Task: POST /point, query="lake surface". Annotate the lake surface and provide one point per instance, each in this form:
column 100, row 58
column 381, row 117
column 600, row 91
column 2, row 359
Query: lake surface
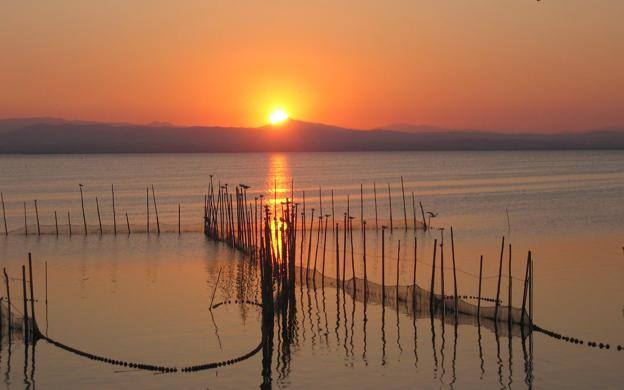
column 140, row 297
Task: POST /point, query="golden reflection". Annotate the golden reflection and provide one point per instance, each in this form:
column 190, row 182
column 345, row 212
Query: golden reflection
column 279, row 189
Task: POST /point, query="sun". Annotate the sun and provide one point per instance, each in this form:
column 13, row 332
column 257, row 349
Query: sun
column 277, row 116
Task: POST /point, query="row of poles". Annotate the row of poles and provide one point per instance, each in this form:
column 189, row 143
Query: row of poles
column 28, row 323
column 232, row 218
column 99, row 215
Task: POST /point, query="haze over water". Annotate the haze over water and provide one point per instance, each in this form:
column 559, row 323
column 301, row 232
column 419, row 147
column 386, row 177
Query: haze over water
column 146, row 298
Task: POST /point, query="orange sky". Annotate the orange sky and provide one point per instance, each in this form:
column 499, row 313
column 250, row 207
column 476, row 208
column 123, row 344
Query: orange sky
column 490, row 64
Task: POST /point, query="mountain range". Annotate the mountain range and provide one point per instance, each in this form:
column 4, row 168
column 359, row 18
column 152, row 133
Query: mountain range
column 54, row 135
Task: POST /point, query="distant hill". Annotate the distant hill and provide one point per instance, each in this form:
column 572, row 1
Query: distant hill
column 52, row 135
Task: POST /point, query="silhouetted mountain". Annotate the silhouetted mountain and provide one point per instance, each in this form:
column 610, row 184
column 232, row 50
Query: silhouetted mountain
column 49, row 135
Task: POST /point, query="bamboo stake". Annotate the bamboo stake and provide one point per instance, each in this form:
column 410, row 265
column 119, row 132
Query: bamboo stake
column 364, row 256
column 179, row 220
column 383, row 265
column 25, row 220
column 56, row 222
column 214, row 291
column 454, row 273
column 344, row 250
column 414, row 210
column 526, row 287
column 332, row 206
column 404, row 207
column 84, row 217
column 25, row 299
column 147, row 208
column 361, row 203
column 414, row 275
column 32, row 294
column 8, row 291
column 320, row 201
column 309, row 246
column 114, row 213
column 128, row 224
column 156, row 210
column 337, row 257
column 324, row 246
column 6, row 230
column 509, row 297
column 375, row 195
column 97, row 206
column 422, row 212
column 37, row 216
column 390, row 203
column 480, row 278
column 397, row 269
column 352, row 256
column 435, row 248
column 500, row 270
column 69, row 224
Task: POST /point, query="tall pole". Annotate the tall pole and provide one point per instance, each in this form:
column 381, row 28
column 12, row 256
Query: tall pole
column 454, row 272
column 509, row 301
column 114, row 212
column 6, row 230
column 32, row 294
column 498, row 288
column 25, row 299
column 8, row 291
column 97, row 206
column 156, row 211
column 404, row 207
column 37, row 217
column 84, row 217
column 375, row 195
column 25, row 220
column 147, row 208
column 480, row 278
column 390, row 203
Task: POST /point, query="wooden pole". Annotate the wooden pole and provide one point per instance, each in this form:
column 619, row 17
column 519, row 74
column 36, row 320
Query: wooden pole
column 442, row 268
column 337, row 257
column 6, row 230
column 526, row 287
column 414, row 274
column 414, row 210
column 375, row 195
column 25, row 220
column 114, row 212
column 320, row 202
column 454, row 273
column 431, row 294
column 84, row 217
column 531, row 280
column 214, row 291
column 8, row 291
column 147, row 208
column 156, row 210
column 37, row 217
column 509, row 297
column 500, row 271
column 352, row 256
column 390, row 203
column 309, row 246
column 179, row 220
column 128, row 223
column 364, row 256
column 324, row 246
column 361, row 203
column 383, row 265
column 69, row 224
column 56, row 222
column 25, row 300
column 97, row 206
column 404, row 206
column 32, row 294
column 422, row 212
column 397, row 269
column 344, row 249
column 480, row 279
column 332, row 206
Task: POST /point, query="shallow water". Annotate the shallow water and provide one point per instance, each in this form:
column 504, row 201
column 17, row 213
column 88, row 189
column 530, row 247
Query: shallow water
column 146, row 298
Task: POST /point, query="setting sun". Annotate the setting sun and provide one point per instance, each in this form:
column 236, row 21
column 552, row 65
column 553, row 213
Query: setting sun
column 278, row 116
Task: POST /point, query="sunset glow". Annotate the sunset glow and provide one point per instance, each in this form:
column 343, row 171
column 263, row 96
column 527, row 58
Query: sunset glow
column 278, row 116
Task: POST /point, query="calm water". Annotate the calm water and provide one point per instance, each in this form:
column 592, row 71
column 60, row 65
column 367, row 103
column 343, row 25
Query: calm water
column 145, row 298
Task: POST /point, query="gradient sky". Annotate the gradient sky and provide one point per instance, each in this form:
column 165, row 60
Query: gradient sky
column 516, row 65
